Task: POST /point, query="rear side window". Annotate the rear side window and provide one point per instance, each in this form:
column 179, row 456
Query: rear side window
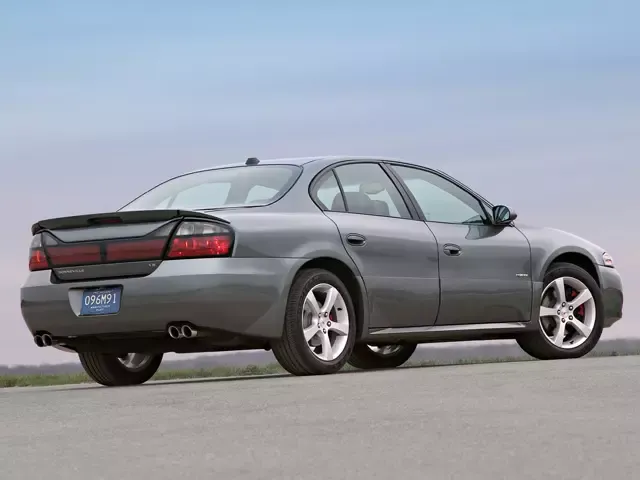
column 369, row 191
column 327, row 192
column 253, row 185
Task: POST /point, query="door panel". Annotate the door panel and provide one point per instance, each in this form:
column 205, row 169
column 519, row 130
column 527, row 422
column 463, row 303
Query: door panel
column 398, row 260
column 488, row 280
column 485, row 270
column 396, row 254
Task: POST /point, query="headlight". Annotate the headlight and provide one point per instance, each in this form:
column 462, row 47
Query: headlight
column 607, row 259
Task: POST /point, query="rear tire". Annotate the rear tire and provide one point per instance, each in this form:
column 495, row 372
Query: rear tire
column 318, row 337
column 556, row 337
column 110, row 371
column 365, row 357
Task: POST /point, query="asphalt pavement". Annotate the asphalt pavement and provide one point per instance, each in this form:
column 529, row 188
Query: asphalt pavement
column 575, row 419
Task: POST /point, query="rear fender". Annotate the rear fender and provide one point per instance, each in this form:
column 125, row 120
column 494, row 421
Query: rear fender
column 304, row 237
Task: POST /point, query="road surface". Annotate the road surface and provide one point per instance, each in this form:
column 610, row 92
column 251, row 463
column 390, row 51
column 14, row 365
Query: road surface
column 575, row 419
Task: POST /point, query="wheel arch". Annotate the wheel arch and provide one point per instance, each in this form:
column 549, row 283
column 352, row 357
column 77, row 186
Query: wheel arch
column 575, row 257
column 354, row 284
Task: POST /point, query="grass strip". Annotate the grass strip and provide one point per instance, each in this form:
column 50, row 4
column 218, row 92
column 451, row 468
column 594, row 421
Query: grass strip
column 39, row 380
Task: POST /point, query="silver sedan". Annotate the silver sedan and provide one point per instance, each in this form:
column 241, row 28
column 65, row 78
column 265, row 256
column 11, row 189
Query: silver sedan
column 322, row 260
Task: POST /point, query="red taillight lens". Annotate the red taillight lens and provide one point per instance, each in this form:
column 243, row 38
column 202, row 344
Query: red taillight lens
column 200, row 239
column 74, row 255
column 210, row 246
column 135, row 250
column 37, row 258
column 191, row 240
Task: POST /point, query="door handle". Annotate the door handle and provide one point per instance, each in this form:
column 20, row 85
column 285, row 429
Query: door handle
column 356, row 239
column 452, row 250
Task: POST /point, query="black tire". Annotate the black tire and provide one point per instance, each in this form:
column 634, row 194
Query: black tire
column 291, row 350
column 364, row 358
column 536, row 343
column 106, row 369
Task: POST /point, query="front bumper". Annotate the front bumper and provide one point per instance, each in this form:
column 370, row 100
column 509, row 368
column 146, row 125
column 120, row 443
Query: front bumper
column 235, row 295
column 612, row 294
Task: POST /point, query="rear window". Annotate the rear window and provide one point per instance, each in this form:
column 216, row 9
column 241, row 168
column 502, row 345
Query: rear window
column 253, row 185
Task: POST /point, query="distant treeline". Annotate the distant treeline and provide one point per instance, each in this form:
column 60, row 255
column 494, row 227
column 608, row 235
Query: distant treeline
column 440, row 353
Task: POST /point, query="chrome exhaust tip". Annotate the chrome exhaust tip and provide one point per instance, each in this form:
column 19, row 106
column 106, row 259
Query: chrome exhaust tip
column 188, row 332
column 47, row 341
column 38, row 340
column 174, row 332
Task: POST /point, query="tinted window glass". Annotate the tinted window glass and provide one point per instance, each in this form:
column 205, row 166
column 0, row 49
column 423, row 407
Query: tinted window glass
column 328, row 193
column 236, row 186
column 368, row 190
column 439, row 199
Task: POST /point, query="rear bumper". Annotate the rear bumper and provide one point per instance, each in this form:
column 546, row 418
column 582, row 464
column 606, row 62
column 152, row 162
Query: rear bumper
column 235, row 295
column 612, row 295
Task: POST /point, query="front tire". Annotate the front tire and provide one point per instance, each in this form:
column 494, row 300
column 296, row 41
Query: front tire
column 370, row 357
column 120, row 370
column 571, row 315
column 319, row 327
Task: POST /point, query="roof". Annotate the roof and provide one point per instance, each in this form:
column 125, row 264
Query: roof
column 301, row 161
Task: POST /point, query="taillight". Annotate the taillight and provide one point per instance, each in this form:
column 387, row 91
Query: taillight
column 37, row 258
column 135, row 250
column 192, row 239
column 73, row 255
column 200, row 239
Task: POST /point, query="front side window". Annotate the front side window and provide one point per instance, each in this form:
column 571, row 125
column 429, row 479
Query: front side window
column 439, row 199
column 368, row 190
column 232, row 186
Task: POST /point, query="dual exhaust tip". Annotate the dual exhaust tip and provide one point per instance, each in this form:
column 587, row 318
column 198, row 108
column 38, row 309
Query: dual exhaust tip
column 43, row 340
column 184, row 331
column 176, row 332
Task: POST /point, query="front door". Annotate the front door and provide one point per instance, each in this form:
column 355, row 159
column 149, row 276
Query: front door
column 397, row 256
column 485, row 270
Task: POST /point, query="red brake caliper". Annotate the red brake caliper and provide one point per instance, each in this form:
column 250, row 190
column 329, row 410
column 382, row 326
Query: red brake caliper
column 580, row 309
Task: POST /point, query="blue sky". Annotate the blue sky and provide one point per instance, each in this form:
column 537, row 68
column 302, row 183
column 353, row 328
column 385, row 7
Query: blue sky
column 534, row 103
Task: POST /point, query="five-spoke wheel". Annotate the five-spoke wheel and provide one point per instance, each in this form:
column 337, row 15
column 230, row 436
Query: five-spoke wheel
column 567, row 312
column 326, row 324
column 319, row 330
column 570, row 319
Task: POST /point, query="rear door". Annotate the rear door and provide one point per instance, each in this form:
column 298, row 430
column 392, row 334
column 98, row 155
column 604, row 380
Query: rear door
column 485, row 270
column 395, row 252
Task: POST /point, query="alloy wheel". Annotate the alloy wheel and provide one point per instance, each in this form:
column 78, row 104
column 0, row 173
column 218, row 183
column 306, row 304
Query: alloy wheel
column 567, row 312
column 325, row 322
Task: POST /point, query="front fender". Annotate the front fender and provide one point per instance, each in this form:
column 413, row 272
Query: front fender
column 547, row 244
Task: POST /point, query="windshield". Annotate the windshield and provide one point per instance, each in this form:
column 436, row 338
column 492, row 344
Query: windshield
column 253, row 185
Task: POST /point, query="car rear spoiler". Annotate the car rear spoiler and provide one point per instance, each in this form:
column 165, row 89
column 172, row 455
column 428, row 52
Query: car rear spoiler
column 118, row 218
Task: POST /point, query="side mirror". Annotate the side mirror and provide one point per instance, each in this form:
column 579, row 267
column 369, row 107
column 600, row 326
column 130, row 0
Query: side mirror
column 502, row 215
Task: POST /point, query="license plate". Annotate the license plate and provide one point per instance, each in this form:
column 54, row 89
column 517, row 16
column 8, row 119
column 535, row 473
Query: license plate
column 101, row 301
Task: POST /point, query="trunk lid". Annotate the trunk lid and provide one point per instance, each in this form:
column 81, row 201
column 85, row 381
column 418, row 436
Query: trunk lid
column 109, row 245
